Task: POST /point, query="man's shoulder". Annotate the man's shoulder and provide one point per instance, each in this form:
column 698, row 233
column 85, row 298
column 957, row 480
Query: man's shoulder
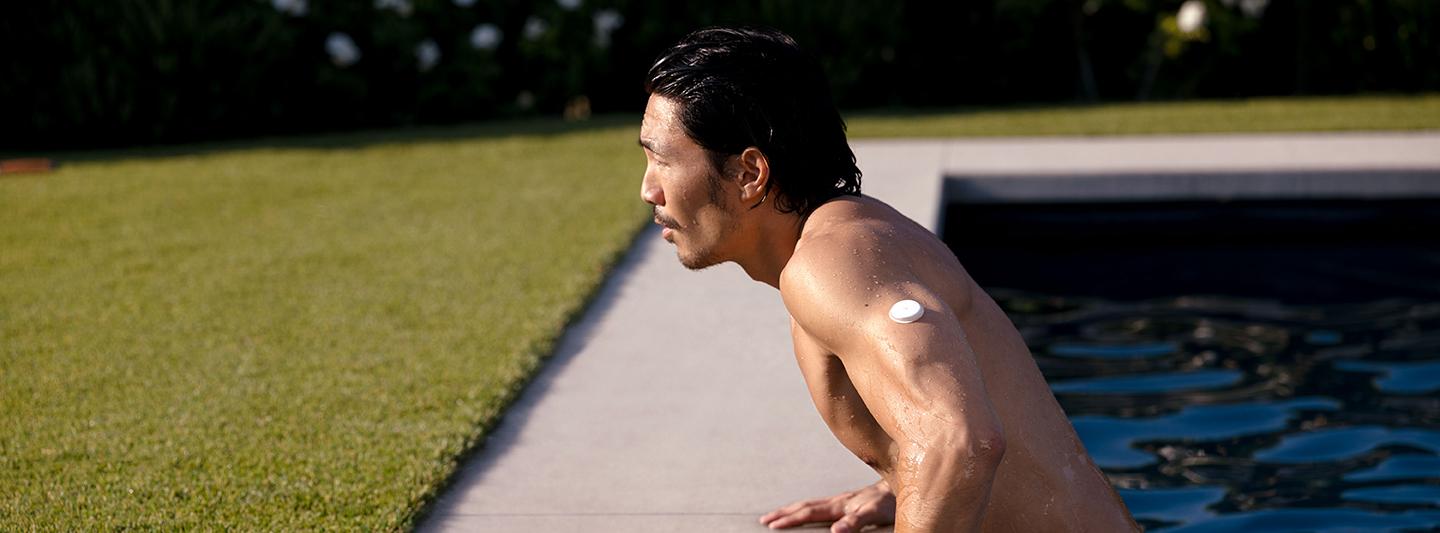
column 860, row 258
column 842, row 240
column 829, row 260
column 836, row 274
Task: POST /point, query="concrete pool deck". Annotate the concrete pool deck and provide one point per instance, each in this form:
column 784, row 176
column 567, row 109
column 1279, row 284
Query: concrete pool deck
column 674, row 403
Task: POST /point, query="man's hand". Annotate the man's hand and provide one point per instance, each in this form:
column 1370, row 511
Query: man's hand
column 850, row 511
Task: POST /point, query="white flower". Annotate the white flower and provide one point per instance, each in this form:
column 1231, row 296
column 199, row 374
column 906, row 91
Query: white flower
column 403, row 7
column 1253, row 8
column 1191, row 16
column 568, row 5
column 485, row 37
column 606, row 21
column 534, row 28
column 427, row 54
column 342, row 49
column 294, row 8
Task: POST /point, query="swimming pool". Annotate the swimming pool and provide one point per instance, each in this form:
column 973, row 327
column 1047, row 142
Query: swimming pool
column 1242, row 366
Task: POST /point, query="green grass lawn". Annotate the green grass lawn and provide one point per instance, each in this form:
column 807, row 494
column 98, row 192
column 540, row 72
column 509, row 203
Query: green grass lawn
column 284, row 338
column 1240, row 116
column 307, row 333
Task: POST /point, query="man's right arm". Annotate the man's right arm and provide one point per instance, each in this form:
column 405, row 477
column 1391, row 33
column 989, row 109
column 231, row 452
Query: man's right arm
column 922, row 382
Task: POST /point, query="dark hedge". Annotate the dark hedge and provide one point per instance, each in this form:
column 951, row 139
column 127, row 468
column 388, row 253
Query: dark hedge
column 83, row 73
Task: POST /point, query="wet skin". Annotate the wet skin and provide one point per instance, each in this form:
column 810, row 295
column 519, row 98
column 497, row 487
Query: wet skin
column 962, row 372
column 950, row 410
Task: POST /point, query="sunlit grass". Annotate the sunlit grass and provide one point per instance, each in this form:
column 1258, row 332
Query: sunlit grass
column 283, row 338
column 306, row 333
column 1223, row 116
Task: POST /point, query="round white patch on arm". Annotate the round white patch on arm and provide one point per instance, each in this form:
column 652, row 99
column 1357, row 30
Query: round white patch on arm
column 906, row 311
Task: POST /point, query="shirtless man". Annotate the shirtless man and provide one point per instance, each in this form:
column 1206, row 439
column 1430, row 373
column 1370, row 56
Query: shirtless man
column 747, row 161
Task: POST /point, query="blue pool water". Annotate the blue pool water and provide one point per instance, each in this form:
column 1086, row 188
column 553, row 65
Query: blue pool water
column 1237, row 366
column 1320, row 418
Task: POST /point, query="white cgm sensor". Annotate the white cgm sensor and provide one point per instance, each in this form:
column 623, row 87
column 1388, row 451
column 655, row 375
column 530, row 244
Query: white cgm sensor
column 906, row 311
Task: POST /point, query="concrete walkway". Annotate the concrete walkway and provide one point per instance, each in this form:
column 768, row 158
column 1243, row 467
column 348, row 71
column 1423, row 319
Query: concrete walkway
column 675, row 404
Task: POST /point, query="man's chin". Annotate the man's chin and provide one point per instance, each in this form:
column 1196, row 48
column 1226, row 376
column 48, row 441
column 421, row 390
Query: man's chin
column 696, row 262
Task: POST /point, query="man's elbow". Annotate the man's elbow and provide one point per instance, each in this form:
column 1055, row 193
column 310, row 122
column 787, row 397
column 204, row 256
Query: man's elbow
column 984, row 448
column 971, row 452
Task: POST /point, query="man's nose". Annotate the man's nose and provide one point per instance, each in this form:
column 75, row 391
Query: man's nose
column 650, row 190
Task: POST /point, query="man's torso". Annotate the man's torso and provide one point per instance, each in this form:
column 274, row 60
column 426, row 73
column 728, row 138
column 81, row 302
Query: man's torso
column 1046, row 481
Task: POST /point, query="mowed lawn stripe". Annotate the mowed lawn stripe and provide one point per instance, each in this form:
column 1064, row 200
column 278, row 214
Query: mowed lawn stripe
column 286, row 338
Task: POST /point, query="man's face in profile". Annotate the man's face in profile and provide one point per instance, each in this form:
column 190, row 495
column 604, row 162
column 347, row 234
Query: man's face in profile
column 689, row 196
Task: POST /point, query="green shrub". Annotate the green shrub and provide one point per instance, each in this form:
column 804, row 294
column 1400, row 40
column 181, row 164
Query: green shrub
column 114, row 72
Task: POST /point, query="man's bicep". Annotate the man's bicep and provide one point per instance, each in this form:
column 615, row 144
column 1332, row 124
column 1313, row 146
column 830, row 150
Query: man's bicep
column 921, row 380
column 914, row 378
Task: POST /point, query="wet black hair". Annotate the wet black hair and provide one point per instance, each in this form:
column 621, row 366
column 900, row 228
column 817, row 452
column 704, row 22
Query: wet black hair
column 738, row 87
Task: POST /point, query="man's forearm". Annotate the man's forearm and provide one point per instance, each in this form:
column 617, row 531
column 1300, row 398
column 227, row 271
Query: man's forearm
column 944, row 492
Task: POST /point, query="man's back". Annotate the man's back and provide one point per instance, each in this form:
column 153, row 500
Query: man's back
column 1045, row 481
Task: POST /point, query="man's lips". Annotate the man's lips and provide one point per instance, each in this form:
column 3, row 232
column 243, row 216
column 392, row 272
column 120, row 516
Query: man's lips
column 666, row 229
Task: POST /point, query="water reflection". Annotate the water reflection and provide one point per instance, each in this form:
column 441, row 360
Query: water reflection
column 1187, row 505
column 1229, row 414
column 1419, row 494
column 1336, row 444
column 1399, row 378
column 1130, row 442
column 1315, row 521
column 1157, row 383
column 1399, row 467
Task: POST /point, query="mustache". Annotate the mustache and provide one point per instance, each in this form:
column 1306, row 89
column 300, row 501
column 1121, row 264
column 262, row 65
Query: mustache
column 664, row 220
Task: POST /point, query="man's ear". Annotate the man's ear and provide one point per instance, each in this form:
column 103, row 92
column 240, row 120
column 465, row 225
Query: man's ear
column 754, row 176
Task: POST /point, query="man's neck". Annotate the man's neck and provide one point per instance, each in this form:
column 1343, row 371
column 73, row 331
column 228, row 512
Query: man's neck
column 776, row 235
